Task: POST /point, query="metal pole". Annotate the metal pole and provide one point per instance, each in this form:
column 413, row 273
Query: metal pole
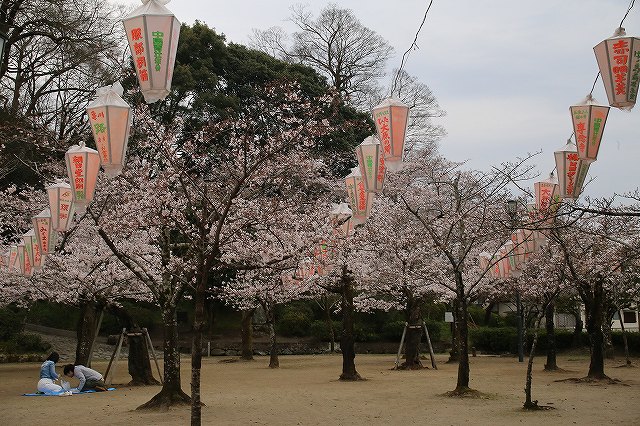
column 404, row 332
column 520, row 327
column 431, row 354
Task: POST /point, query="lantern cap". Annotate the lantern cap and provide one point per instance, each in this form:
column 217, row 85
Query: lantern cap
column 29, row 233
column 551, row 179
column 485, row 255
column 73, row 149
column 370, row 140
column 150, row 7
column 619, row 32
column 388, row 102
column 355, row 172
column 46, row 213
column 569, row 147
column 341, row 209
column 589, row 100
column 109, row 95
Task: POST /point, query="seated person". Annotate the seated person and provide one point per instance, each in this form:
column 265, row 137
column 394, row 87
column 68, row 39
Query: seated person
column 48, row 375
column 89, row 379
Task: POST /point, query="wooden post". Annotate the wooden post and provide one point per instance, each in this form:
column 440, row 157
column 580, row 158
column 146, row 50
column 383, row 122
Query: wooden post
column 115, row 356
column 433, row 358
column 404, row 332
column 153, row 352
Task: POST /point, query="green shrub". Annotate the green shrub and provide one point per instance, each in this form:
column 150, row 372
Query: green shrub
column 435, row 330
column 25, row 343
column 495, row 340
column 320, row 330
column 365, row 333
column 392, row 331
column 294, row 322
column 10, row 323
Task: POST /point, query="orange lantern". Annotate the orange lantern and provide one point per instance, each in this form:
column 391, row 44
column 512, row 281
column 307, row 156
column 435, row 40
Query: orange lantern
column 546, row 194
column 619, row 62
column 391, row 118
column 371, row 163
column 61, row 206
column 83, row 165
column 110, row 119
column 153, row 32
column 589, row 119
column 572, row 171
column 359, row 199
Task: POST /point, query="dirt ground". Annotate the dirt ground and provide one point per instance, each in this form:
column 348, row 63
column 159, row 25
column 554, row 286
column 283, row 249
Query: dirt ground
column 305, row 391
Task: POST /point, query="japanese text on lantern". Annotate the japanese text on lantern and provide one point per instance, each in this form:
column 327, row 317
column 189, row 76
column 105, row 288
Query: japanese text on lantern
column 381, row 167
column 545, row 197
column 369, row 166
column 597, row 125
column 571, row 171
column 382, row 120
column 635, row 77
column 100, row 130
column 78, row 172
column 44, row 236
column 158, row 41
column 620, row 67
column 580, row 136
column 138, row 52
column 362, row 197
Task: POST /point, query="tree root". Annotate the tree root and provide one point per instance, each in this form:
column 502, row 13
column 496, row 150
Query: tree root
column 165, row 400
column 605, row 380
column 147, row 382
column 465, row 392
column 412, row 366
column 352, row 378
column 533, row 406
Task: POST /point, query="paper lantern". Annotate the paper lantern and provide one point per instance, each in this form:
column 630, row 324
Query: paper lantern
column 45, row 234
column 83, row 165
column 371, row 163
column 547, row 194
column 391, row 118
column 619, row 62
column 359, row 199
column 61, row 206
column 588, row 119
column 23, row 259
column 572, row 171
column 484, row 260
column 14, row 264
column 341, row 219
column 110, row 119
column 153, row 32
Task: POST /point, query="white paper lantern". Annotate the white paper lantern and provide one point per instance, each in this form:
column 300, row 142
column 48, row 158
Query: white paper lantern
column 83, row 165
column 45, row 234
column 619, row 62
column 341, row 219
column 589, row 120
column 14, row 263
column 153, row 32
column 547, row 194
column 391, row 118
column 61, row 206
column 23, row 259
column 371, row 163
column 572, row 172
column 360, row 200
column 110, row 119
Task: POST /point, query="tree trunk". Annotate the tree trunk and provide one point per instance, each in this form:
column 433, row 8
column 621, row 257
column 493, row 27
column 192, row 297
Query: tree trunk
column 454, row 355
column 462, row 384
column 414, row 333
column 577, row 331
column 246, row 334
column 86, row 331
column 171, row 393
column 139, row 363
column 327, row 319
column 528, row 403
column 593, row 301
column 624, row 337
column 487, row 313
column 552, row 363
column 274, row 362
column 608, row 344
column 347, row 341
column 199, row 321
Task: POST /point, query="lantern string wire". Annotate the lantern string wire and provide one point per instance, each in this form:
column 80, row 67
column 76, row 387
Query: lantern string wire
column 627, row 14
column 594, row 83
column 413, row 46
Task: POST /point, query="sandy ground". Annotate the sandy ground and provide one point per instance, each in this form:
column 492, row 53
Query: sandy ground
column 305, row 391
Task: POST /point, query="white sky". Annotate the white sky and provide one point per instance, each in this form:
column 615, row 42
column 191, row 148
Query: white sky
column 505, row 71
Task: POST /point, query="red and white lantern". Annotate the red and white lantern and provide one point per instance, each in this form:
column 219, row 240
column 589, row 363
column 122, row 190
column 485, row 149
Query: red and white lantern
column 24, row 261
column 83, row 165
column 572, row 172
column 360, row 200
column 341, row 219
column 61, row 206
column 30, row 240
column 14, row 263
column 619, row 62
column 391, row 118
column 45, row 234
column 371, row 163
column 110, row 119
column 588, row 119
column 153, row 32
column 546, row 194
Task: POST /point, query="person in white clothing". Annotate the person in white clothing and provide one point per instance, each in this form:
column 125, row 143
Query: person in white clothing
column 48, row 375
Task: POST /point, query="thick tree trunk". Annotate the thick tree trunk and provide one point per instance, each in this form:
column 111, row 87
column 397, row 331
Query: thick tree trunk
column 139, row 362
column 327, row 320
column 274, row 362
column 86, row 331
column 454, row 355
column 246, row 334
column 608, row 343
column 552, row 363
column 577, row 331
column 171, row 393
column 487, row 313
column 528, row 403
column 593, row 301
column 462, row 384
column 347, row 342
column 624, row 337
column 196, row 347
column 414, row 333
